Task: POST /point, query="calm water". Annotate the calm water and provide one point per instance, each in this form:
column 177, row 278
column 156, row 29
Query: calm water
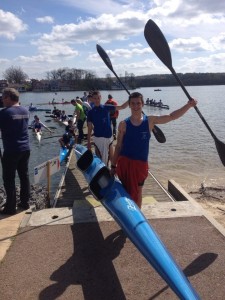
column 189, row 155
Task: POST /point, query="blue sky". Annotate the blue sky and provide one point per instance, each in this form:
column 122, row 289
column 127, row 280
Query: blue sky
column 44, row 35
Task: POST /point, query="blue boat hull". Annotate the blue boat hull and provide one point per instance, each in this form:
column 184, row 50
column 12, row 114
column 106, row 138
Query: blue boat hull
column 63, row 154
column 127, row 214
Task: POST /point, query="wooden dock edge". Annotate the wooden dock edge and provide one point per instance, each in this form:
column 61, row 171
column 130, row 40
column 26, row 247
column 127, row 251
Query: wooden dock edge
column 180, row 194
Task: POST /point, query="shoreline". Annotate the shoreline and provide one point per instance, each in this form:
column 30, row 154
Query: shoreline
column 212, row 199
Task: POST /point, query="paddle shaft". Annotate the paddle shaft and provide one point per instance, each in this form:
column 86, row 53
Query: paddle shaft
column 195, row 107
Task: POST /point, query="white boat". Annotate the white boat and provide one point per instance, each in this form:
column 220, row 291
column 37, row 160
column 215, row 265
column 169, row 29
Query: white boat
column 38, row 135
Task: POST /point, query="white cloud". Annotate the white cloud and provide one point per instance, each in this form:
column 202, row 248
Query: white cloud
column 53, row 53
column 10, row 25
column 194, row 44
column 202, row 64
column 4, row 60
column 121, row 53
column 107, row 27
column 135, row 45
column 94, row 7
column 147, row 66
column 46, row 19
column 193, row 28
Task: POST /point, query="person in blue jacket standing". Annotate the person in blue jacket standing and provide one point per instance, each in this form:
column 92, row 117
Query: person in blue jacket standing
column 14, row 129
column 99, row 121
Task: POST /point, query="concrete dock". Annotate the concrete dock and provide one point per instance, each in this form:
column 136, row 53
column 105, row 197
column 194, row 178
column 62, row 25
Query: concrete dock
column 77, row 251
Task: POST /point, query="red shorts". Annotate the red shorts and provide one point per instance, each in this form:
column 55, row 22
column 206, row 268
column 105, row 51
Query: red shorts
column 132, row 174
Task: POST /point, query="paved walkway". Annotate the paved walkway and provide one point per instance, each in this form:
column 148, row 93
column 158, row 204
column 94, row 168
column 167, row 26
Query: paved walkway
column 85, row 255
column 8, row 229
column 95, row 261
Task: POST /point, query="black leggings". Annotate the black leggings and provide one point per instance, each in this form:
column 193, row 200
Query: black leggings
column 12, row 162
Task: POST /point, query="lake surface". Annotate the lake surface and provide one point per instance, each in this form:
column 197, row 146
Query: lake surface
column 189, row 155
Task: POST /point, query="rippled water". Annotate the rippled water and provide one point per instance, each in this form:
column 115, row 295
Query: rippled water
column 189, row 155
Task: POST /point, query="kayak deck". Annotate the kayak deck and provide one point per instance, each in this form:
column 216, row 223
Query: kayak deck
column 78, row 190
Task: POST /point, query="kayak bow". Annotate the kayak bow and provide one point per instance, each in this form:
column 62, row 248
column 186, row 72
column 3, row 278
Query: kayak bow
column 127, row 214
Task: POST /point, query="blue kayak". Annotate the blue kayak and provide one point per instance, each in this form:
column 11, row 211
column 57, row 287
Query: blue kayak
column 126, row 213
column 63, row 153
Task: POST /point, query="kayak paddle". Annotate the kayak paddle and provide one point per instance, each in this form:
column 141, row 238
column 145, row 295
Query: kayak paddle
column 159, row 135
column 159, row 45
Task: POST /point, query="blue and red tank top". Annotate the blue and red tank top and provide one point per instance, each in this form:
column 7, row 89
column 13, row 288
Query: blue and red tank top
column 136, row 140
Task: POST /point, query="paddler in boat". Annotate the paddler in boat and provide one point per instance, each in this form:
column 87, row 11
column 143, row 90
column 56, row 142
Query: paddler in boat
column 63, row 116
column 147, row 101
column 71, row 128
column 56, row 112
column 37, row 125
column 130, row 160
column 66, row 140
column 160, row 103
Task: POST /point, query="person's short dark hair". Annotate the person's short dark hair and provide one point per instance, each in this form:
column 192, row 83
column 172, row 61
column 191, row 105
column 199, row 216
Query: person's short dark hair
column 12, row 93
column 136, row 95
column 73, row 101
column 110, row 96
column 96, row 93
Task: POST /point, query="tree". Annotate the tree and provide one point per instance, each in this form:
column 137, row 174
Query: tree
column 15, row 75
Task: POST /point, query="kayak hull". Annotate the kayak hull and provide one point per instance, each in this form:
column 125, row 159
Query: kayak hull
column 127, row 214
column 63, row 154
column 38, row 109
column 158, row 106
column 38, row 136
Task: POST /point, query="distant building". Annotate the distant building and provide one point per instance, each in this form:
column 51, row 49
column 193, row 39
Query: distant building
column 40, row 85
column 3, row 84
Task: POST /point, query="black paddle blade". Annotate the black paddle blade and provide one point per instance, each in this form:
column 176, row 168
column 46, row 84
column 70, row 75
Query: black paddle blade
column 158, row 43
column 220, row 146
column 104, row 56
column 159, row 135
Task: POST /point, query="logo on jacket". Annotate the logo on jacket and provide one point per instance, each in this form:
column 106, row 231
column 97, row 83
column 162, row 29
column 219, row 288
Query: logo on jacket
column 144, row 135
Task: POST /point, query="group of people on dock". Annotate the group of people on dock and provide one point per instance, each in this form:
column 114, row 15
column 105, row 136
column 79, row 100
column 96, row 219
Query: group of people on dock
column 129, row 159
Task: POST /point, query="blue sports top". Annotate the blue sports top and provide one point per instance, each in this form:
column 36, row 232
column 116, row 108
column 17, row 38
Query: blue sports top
column 99, row 116
column 14, row 128
column 38, row 125
column 136, row 140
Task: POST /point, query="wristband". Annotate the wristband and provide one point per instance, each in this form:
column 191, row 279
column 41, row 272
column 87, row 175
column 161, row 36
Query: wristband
column 113, row 167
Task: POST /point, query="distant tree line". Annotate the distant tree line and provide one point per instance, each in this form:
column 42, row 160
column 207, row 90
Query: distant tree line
column 80, row 79
column 187, row 79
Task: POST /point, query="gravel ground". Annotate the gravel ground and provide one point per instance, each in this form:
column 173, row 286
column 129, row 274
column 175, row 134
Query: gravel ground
column 38, row 196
